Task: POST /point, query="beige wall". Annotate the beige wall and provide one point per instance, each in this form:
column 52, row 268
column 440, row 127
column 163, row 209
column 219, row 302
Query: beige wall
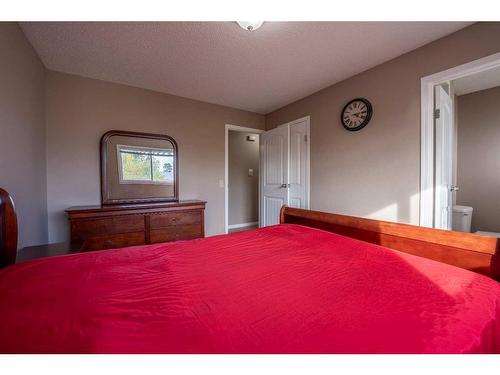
column 22, row 134
column 80, row 110
column 243, row 192
column 375, row 172
column 478, row 151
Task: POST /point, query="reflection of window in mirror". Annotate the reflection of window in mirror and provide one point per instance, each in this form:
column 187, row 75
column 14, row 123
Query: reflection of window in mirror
column 145, row 165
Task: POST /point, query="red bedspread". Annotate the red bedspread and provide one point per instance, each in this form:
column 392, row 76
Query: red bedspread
column 281, row 289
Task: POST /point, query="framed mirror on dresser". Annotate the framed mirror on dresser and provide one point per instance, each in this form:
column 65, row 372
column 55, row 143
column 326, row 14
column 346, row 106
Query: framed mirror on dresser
column 139, row 196
column 138, row 168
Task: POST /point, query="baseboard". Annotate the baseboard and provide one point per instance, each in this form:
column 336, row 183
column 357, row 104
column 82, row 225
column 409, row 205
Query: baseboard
column 242, row 225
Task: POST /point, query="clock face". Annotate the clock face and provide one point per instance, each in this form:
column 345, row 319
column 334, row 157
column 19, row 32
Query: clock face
column 356, row 114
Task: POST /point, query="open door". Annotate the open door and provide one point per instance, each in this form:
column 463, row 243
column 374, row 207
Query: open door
column 284, row 169
column 443, row 159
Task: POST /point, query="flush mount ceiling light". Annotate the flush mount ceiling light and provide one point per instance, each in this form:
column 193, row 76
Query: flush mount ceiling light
column 250, row 25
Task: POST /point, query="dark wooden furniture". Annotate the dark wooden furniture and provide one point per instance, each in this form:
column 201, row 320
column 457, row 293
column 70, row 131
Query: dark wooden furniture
column 105, row 227
column 8, row 230
column 465, row 250
column 49, row 250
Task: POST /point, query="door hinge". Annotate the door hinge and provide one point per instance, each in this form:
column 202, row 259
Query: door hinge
column 437, row 113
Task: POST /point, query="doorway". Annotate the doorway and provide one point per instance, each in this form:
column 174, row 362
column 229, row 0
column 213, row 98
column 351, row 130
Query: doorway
column 285, row 169
column 459, row 147
column 241, row 188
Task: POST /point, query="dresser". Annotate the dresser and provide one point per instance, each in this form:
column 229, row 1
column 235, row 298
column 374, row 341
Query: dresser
column 113, row 226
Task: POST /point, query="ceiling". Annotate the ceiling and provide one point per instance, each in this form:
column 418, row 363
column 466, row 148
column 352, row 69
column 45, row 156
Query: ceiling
column 476, row 82
column 218, row 62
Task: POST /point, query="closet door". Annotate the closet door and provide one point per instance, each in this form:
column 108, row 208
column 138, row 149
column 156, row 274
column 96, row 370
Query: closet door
column 298, row 165
column 274, row 174
column 284, row 169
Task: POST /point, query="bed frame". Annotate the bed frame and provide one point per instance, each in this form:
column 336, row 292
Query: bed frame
column 465, row 250
column 476, row 253
column 8, row 230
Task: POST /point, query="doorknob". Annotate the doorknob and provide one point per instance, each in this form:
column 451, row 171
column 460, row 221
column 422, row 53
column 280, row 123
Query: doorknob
column 454, row 188
column 283, row 186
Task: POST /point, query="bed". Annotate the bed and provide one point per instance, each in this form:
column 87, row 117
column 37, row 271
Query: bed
column 316, row 283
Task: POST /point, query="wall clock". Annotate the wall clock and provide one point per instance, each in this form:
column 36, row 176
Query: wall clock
column 356, row 114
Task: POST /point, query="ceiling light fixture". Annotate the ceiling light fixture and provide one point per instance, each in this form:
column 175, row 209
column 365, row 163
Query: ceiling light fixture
column 250, row 25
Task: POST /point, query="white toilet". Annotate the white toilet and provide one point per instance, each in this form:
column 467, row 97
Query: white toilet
column 461, row 218
column 461, row 221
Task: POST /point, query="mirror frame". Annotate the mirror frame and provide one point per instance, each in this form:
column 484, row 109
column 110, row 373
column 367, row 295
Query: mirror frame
column 105, row 200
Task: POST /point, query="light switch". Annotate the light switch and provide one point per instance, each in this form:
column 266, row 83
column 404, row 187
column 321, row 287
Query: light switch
column 221, row 183
column 250, row 172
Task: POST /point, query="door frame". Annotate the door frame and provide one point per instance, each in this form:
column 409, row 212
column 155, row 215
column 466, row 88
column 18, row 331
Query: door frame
column 426, row 201
column 242, row 129
column 308, row 161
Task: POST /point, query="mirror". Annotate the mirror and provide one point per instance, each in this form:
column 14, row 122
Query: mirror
column 138, row 168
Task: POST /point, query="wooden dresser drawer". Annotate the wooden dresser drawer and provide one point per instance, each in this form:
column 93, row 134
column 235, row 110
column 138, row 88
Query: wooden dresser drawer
column 82, row 229
column 116, row 226
column 174, row 218
column 113, row 241
column 175, row 232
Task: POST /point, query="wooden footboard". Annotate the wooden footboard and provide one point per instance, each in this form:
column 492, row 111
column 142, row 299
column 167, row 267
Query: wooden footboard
column 465, row 250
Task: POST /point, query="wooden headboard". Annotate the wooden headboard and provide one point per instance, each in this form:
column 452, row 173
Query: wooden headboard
column 8, row 230
column 465, row 250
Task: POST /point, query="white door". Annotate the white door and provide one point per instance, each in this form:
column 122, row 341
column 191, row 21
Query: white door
column 444, row 159
column 284, row 169
column 298, row 170
column 274, row 174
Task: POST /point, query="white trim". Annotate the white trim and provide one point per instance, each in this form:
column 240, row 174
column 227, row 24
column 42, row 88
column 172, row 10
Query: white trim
column 426, row 209
column 235, row 128
column 242, row 225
